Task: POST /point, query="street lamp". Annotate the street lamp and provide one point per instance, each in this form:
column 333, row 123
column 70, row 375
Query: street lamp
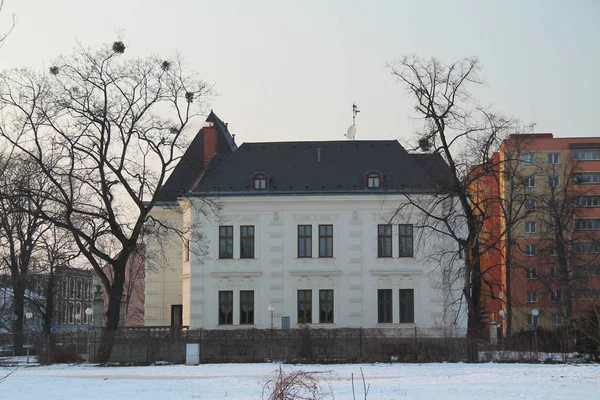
column 535, row 312
column 88, row 311
column 28, row 316
column 271, row 310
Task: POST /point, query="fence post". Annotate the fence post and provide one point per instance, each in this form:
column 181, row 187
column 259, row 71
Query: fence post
column 360, row 343
column 147, row 345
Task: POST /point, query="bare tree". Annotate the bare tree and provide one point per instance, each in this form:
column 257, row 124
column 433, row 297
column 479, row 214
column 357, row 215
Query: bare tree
column 106, row 130
column 5, row 32
column 465, row 135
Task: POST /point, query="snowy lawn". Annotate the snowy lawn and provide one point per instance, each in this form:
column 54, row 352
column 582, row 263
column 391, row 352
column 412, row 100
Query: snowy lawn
column 245, row 381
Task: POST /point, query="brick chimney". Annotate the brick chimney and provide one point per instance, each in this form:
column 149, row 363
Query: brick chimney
column 210, row 142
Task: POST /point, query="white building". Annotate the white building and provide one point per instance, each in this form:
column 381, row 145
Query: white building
column 307, row 230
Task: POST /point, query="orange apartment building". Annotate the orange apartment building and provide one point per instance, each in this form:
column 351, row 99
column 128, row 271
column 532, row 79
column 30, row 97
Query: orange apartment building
column 541, row 232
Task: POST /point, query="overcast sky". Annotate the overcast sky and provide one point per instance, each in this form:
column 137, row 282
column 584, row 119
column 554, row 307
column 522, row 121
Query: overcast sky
column 290, row 70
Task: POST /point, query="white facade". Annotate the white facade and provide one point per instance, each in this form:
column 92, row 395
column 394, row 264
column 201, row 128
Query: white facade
column 355, row 273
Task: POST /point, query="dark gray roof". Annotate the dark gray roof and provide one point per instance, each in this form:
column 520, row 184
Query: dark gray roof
column 191, row 165
column 293, row 168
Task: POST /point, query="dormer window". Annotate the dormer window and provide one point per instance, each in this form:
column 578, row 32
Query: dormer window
column 260, row 181
column 373, row 180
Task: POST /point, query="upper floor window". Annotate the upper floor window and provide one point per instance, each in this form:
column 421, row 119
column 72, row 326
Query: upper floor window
column 586, row 247
column 373, row 179
column 384, row 240
column 406, row 240
column 585, row 155
column 530, row 250
column 247, row 241
column 529, row 158
column 530, row 227
column 587, row 224
column 586, row 178
column 529, row 204
column 588, row 201
column 529, row 181
column 304, row 241
column 325, row 240
column 532, row 297
column 260, row 181
column 225, row 241
column 553, row 181
column 531, row 273
column 553, row 158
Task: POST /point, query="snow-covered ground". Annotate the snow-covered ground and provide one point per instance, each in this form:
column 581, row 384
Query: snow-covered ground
column 245, row 381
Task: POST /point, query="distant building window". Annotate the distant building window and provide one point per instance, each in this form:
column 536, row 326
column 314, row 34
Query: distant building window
column 373, row 179
column 384, row 306
column 586, row 178
column 247, row 241
column 529, row 204
column 226, row 307
column 384, row 240
column 588, row 201
column 557, row 319
column 553, row 181
column 553, row 158
column 226, row 242
column 532, row 297
column 176, row 315
column 325, row 240
column 530, row 273
column 585, row 155
column 530, row 250
column 304, row 241
column 530, row 181
column 405, row 232
column 530, row 227
column 555, row 296
column 326, row 306
column 529, row 158
column 304, row 306
column 407, row 306
column 246, row 307
column 587, row 224
column 260, row 181
column 532, row 321
column 586, row 247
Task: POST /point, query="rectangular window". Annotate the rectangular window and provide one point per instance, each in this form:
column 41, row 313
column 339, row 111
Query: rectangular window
column 530, row 250
column 384, row 306
column 532, row 297
column 529, row 181
column 246, row 307
column 532, row 321
column 556, row 319
column 588, row 201
column 530, row 273
column 586, row 247
column 247, row 241
column 529, row 158
column 585, row 155
column 555, row 296
column 226, row 307
column 587, row 224
column 176, row 315
column 304, row 306
column 407, row 306
column 225, row 241
column 553, row 181
column 586, row 178
column 325, row 240
column 553, row 158
column 406, row 240
column 304, row 241
column 326, row 306
column 530, row 227
column 529, row 204
column 384, row 240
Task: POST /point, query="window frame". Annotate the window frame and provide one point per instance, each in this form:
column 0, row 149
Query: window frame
column 385, row 308
column 245, row 247
column 594, row 155
column 533, row 321
column 223, row 318
column 406, row 304
column 531, row 296
column 531, row 274
column 324, row 316
column 385, row 241
column 553, row 181
column 404, row 238
column 370, row 180
column 179, row 315
column 529, row 182
column 324, row 239
column 529, row 158
column 260, row 177
column 304, row 316
column 553, row 158
column 225, row 242
column 305, row 238
column 530, row 250
column 530, row 227
column 247, row 317
column 529, row 204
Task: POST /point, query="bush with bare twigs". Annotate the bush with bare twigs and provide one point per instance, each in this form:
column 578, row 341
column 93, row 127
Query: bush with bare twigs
column 296, row 385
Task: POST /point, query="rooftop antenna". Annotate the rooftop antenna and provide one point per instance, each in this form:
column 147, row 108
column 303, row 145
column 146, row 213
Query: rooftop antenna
column 352, row 130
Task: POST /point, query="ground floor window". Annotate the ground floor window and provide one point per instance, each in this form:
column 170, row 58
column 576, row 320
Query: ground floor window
column 304, row 306
column 226, row 307
column 176, row 315
column 407, row 306
column 326, row 306
column 384, row 306
column 247, row 307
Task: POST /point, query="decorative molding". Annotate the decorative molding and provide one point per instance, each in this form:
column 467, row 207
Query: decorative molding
column 243, row 274
column 322, row 272
column 395, row 271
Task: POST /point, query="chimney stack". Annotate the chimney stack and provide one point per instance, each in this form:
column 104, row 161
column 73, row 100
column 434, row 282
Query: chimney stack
column 210, row 142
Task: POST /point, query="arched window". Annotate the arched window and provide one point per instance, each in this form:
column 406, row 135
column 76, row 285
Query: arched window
column 373, row 179
column 260, row 181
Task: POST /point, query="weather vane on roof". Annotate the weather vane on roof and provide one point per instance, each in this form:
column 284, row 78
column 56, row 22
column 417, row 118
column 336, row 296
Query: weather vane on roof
column 352, row 130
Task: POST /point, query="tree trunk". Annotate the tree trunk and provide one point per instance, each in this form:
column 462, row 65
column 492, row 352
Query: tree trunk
column 18, row 315
column 115, row 293
column 507, row 289
column 49, row 311
column 473, row 296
